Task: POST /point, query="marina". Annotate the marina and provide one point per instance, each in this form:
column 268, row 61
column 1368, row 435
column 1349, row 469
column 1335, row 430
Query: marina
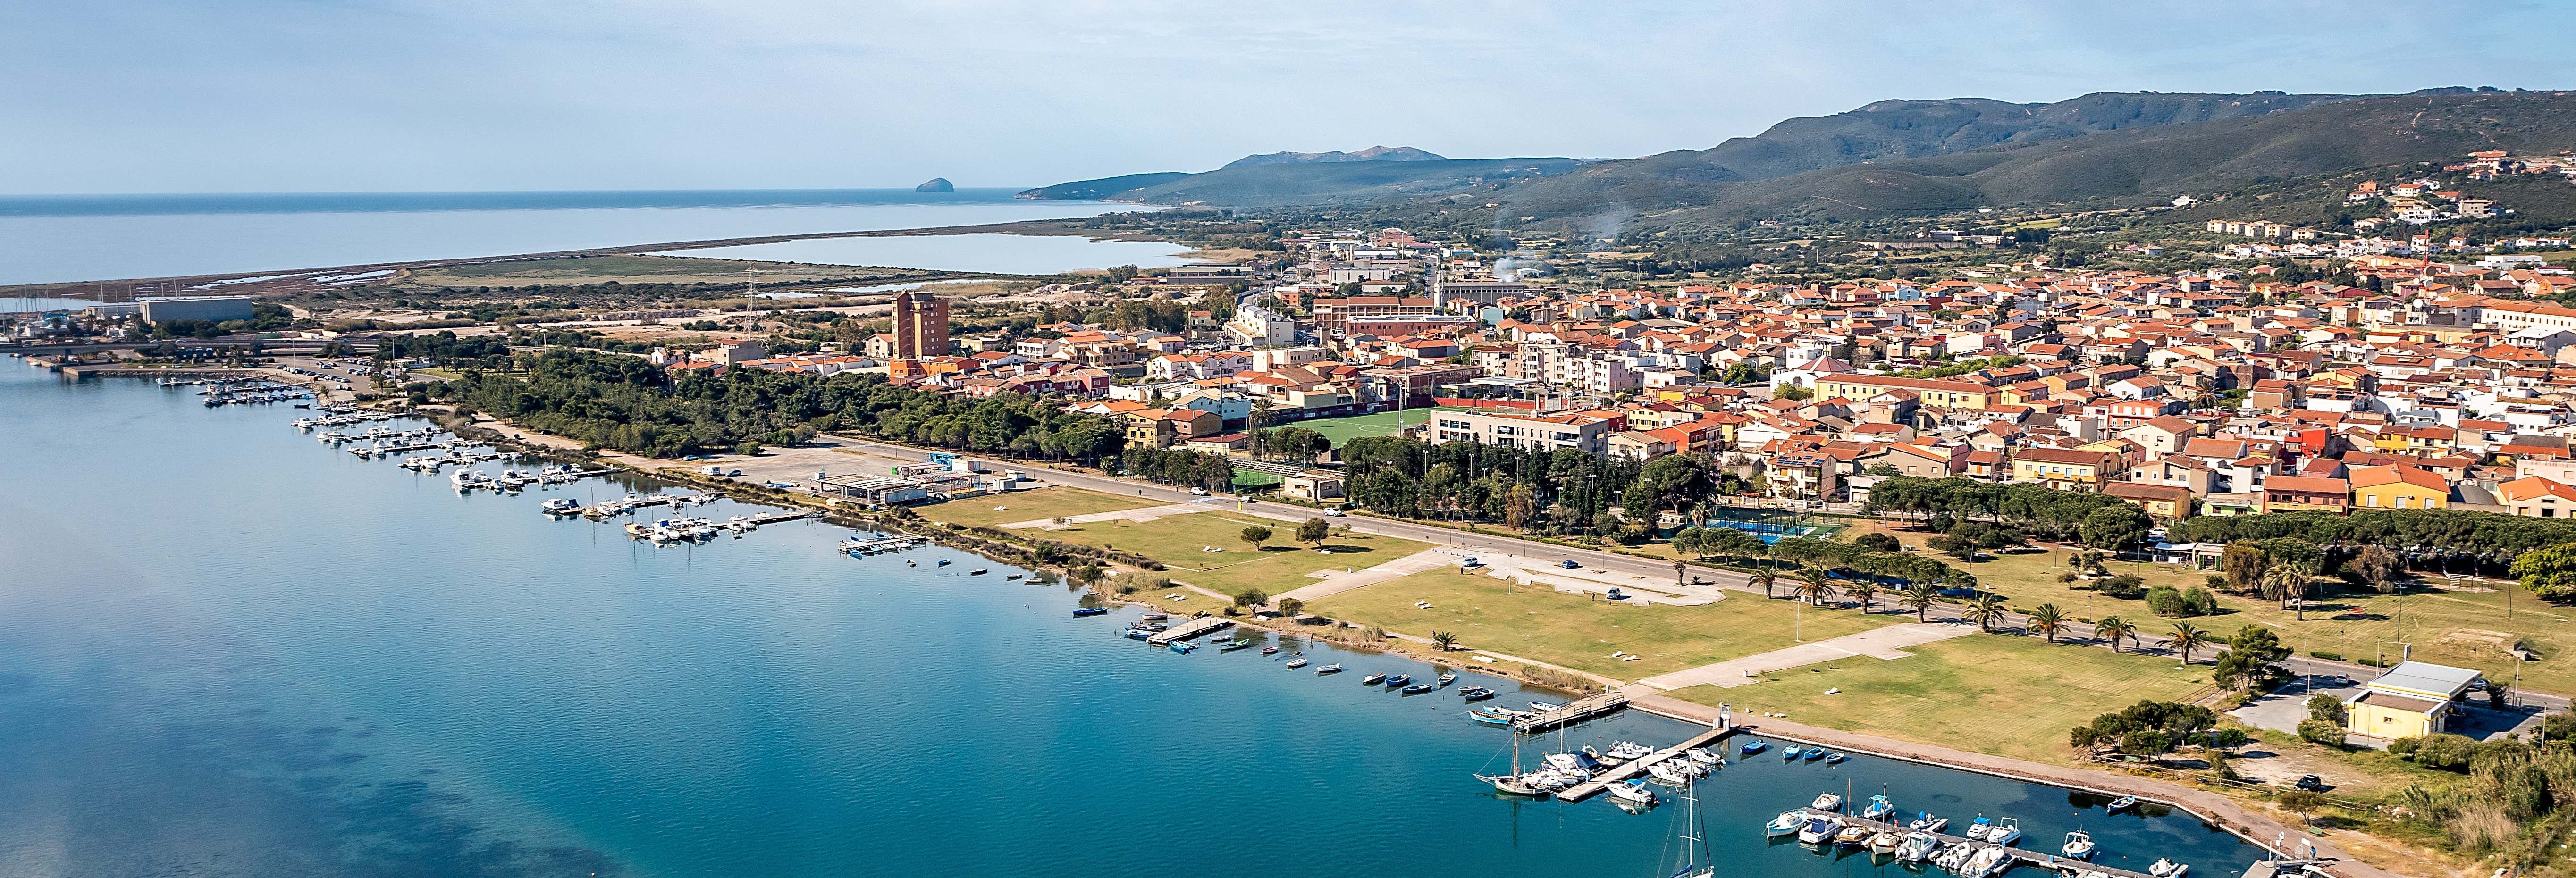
column 1191, row 629
column 1625, row 771
column 1579, row 710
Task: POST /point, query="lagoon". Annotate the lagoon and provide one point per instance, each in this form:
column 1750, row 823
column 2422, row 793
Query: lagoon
column 228, row 650
column 1004, row 253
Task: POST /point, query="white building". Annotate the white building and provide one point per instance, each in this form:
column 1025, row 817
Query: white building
column 1256, row 327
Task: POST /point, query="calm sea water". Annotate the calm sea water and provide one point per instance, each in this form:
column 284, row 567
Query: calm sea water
column 58, row 239
column 227, row 650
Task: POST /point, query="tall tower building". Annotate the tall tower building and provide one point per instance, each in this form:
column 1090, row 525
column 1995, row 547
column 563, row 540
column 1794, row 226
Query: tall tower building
column 920, row 325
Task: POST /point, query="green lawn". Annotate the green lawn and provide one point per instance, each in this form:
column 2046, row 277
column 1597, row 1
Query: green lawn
column 1342, row 430
column 2443, row 625
column 1178, row 540
column 1578, row 631
column 2006, row 695
column 1030, row 505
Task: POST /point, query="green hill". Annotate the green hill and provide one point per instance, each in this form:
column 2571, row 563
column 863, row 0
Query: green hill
column 1312, row 183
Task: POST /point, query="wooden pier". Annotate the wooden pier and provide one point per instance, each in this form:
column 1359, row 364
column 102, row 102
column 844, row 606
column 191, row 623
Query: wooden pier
column 1576, row 711
column 1190, row 629
column 1621, row 772
column 878, row 545
column 778, row 518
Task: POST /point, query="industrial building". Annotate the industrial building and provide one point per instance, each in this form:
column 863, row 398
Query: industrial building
column 217, row 308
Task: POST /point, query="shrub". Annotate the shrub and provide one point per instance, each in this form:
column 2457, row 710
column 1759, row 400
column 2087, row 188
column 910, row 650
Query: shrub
column 1879, row 543
column 2317, row 731
column 2328, row 708
column 2123, row 586
column 2328, row 656
column 2165, row 601
column 2444, row 751
column 2223, row 738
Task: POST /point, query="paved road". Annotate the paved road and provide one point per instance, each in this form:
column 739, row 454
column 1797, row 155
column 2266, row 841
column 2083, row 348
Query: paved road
column 1652, row 570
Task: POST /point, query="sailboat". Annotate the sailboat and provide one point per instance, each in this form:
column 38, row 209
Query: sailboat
column 1695, row 861
column 1516, row 783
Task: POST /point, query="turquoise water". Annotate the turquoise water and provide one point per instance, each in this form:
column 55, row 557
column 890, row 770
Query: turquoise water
column 58, row 239
column 228, row 650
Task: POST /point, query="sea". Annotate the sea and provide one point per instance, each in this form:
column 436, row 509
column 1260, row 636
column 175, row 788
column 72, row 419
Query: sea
column 64, row 239
column 229, row 650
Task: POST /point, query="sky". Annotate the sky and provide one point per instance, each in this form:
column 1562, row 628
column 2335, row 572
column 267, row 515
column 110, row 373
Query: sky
column 150, row 96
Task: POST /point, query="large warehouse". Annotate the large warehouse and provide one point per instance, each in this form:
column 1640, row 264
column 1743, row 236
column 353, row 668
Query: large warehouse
column 157, row 309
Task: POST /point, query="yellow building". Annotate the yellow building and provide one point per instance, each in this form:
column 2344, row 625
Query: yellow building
column 2397, row 487
column 2413, row 698
column 1934, row 392
column 2065, row 467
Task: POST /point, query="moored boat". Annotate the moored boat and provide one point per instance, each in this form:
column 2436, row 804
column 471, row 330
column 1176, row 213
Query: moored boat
column 1476, row 693
column 2165, row 867
column 1917, row 847
column 1373, row 679
column 1853, row 835
column 1752, row 747
column 1488, row 719
column 2005, row 831
column 1327, row 669
column 1928, row 822
column 2079, row 845
column 1878, row 808
column 1634, row 792
column 1819, row 829
column 1233, row 645
column 2122, row 803
column 1090, row 611
column 1418, row 688
column 1827, row 802
column 1399, row 681
column 1297, row 663
column 1788, row 823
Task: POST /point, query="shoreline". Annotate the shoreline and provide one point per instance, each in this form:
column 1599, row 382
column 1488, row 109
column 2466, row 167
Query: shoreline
column 2212, row 809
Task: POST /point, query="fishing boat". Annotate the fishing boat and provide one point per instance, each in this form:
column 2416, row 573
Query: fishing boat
column 1398, row 681
column 1089, row 611
column 1419, row 688
column 1789, row 754
column 1296, row 663
column 1928, row 822
column 1327, row 669
column 1883, row 841
column 1917, row 847
column 1977, row 830
column 1182, row 646
column 2167, row 868
column 2079, row 845
column 1788, row 823
column 943, row 562
column 1819, row 829
column 1505, row 711
column 1489, row 719
column 1233, row 645
column 1878, row 808
column 1827, row 802
column 1476, row 693
column 1833, row 759
column 1016, row 576
column 1156, row 616
column 1852, row 835
column 1270, row 650
column 1373, row 679
column 1813, row 754
column 1544, row 707
column 1752, row 747
column 979, row 571
column 1634, row 792
column 2123, row 803
column 1139, row 633
column 1446, row 679
column 2005, row 831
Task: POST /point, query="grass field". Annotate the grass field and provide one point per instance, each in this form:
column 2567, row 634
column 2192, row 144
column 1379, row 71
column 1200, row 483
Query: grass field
column 1342, row 430
column 1031, row 506
column 1177, row 541
column 2440, row 623
column 1578, row 631
column 2010, row 696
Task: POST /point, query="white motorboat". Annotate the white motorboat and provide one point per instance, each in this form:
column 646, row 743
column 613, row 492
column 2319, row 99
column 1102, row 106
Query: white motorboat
column 561, row 504
column 1819, row 829
column 1788, row 823
column 469, row 479
column 1987, row 861
column 1827, row 802
column 1954, row 857
column 1665, row 771
column 1704, row 756
column 1632, row 792
column 1977, row 830
column 2005, row 831
column 1917, row 847
column 1627, row 750
column 1564, row 762
column 1686, row 767
column 740, row 524
column 1878, row 808
column 1928, row 822
column 2167, row 868
column 2079, row 845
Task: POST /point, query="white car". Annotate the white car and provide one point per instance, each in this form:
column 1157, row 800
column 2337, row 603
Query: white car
column 1202, row 492
column 1335, row 513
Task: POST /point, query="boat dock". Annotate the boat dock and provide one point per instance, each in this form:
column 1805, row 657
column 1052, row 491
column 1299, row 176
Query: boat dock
column 781, row 517
column 855, row 544
column 1574, row 712
column 1631, row 768
column 1189, row 629
column 2020, row 857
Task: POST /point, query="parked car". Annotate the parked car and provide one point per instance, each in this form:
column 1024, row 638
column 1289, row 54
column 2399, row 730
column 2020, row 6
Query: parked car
column 2343, row 679
column 1568, row 564
column 1199, row 491
column 2312, row 783
column 1335, row 513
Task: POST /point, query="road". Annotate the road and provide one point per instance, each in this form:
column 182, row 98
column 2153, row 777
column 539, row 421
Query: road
column 1651, row 570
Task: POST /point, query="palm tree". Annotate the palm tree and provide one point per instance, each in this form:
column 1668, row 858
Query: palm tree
column 1444, row 641
column 2185, row 638
column 2287, row 583
column 1920, row 597
column 1766, row 578
column 1988, row 608
column 2113, row 628
column 2046, row 619
column 1812, row 587
column 1678, row 568
column 1862, row 591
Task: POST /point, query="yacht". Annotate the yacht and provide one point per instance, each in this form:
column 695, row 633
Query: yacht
column 1634, row 792
column 1977, row 830
column 1917, row 847
column 469, row 479
column 2167, row 868
column 1787, row 823
column 1827, row 802
column 2005, row 831
column 2079, row 845
column 560, row 505
column 1820, row 829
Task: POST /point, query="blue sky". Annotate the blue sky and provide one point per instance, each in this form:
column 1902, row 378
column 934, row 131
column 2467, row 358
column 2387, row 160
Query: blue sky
column 304, row 95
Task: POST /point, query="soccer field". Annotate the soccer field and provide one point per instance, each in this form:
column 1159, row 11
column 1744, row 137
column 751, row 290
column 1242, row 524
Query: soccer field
column 1342, row 430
